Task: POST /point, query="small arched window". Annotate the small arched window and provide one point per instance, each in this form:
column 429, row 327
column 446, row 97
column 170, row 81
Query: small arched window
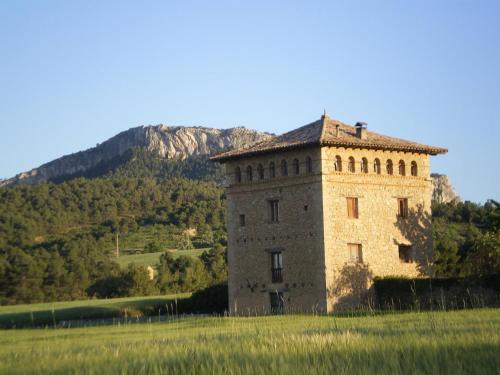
column 338, row 164
column 237, row 174
column 272, row 170
column 389, row 166
column 402, row 168
column 296, row 167
column 249, row 173
column 364, row 165
column 414, row 168
column 260, row 171
column 376, row 166
column 284, row 168
column 351, row 166
column 309, row 165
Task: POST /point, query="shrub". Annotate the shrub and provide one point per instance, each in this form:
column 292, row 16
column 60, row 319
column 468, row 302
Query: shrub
column 444, row 293
column 211, row 300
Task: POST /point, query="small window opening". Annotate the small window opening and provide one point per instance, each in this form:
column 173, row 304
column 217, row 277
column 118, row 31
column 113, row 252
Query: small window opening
column 309, row 167
column 402, row 168
column 296, row 166
column 284, row 168
column 237, row 174
column 351, row 166
column 274, row 210
column 405, row 254
column 389, row 167
column 242, row 220
column 277, row 267
column 338, row 164
column 260, row 171
column 272, row 170
column 376, row 166
column 364, row 165
column 355, row 252
column 414, row 168
column 249, row 173
column 403, row 207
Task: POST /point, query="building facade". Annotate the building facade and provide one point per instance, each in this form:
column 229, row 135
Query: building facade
column 316, row 213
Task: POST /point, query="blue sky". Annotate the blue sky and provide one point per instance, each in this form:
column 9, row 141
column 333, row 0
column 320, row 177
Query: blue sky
column 74, row 73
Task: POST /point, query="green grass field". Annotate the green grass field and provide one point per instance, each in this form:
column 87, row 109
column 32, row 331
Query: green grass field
column 459, row 342
column 50, row 314
column 152, row 259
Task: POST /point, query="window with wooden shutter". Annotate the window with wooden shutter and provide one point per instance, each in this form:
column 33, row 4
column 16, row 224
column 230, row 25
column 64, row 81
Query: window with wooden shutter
column 352, row 208
column 403, row 207
column 355, row 252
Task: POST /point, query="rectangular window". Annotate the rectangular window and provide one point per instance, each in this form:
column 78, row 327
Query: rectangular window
column 355, row 252
column 277, row 267
column 405, row 254
column 277, row 302
column 403, row 207
column 274, row 210
column 352, row 208
column 242, row 220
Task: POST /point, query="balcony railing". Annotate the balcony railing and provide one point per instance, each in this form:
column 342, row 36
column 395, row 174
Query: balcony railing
column 277, row 275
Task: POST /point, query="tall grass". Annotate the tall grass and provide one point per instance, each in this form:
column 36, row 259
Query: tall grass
column 457, row 342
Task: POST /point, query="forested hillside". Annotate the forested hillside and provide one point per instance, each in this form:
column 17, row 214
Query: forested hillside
column 57, row 240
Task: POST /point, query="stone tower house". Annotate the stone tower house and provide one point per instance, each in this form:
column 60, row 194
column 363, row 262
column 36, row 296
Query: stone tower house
column 316, row 213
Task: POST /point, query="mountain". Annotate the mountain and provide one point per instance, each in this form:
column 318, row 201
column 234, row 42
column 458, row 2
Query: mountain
column 442, row 189
column 169, row 148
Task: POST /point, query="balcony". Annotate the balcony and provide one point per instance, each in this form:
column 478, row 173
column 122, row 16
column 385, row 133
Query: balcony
column 277, row 275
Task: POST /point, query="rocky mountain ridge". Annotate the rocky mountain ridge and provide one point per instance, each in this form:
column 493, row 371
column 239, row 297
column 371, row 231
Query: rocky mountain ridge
column 170, row 142
column 175, row 143
column 442, row 191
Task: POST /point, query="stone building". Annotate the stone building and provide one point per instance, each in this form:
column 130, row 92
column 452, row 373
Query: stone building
column 316, row 213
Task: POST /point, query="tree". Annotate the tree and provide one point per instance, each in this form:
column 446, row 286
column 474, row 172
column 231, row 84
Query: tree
column 215, row 264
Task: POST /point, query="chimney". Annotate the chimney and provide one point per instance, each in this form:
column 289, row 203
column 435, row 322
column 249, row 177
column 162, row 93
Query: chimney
column 361, row 130
column 337, row 129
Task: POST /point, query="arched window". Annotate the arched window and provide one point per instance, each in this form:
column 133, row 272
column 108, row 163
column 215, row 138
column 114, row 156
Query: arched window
column 351, row 166
column 249, row 173
column 296, row 167
column 309, row 165
column 402, row 168
column 260, row 171
column 338, row 163
column 376, row 166
column 284, row 168
column 389, row 166
column 237, row 174
column 364, row 165
column 414, row 168
column 272, row 170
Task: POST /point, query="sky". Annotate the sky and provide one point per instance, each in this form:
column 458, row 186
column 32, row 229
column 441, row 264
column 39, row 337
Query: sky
column 75, row 73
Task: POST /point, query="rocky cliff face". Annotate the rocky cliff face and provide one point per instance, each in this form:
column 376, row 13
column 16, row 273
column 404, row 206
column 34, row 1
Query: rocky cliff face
column 168, row 141
column 443, row 191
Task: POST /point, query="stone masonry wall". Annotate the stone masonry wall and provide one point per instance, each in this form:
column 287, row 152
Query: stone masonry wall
column 378, row 229
column 298, row 234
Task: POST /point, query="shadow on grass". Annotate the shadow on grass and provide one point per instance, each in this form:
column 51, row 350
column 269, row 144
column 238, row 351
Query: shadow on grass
column 126, row 311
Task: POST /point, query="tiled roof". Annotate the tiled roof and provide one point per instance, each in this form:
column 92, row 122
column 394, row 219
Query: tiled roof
column 324, row 133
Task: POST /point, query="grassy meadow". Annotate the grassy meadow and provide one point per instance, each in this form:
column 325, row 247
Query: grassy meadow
column 82, row 312
column 152, row 259
column 457, row 342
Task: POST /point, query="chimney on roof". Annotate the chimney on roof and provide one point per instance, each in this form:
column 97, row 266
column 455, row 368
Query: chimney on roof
column 337, row 130
column 361, row 130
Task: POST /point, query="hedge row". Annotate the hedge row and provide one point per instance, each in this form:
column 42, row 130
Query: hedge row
column 401, row 293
